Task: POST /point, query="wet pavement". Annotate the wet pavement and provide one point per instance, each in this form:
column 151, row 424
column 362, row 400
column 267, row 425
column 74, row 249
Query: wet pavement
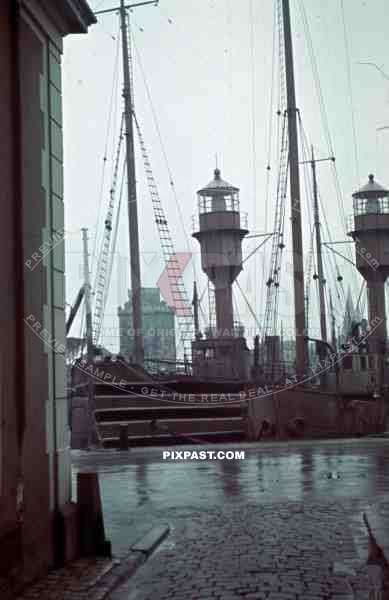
column 282, row 523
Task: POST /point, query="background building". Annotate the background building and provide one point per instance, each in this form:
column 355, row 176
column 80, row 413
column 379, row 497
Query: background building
column 35, row 483
column 158, row 326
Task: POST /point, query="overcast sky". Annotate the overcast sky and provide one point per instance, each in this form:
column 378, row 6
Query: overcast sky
column 208, row 66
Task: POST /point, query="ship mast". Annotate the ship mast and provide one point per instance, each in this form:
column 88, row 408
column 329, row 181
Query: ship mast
column 295, row 196
column 131, row 193
column 131, row 175
column 320, row 270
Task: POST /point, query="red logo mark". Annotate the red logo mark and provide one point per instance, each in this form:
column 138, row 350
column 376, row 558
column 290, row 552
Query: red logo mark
column 169, row 284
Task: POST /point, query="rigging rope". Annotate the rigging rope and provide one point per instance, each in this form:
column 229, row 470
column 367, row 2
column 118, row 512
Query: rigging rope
column 103, row 265
column 270, row 146
column 111, row 111
column 179, row 302
column 360, row 306
column 273, row 282
column 278, row 239
column 165, row 157
column 201, row 297
column 253, row 125
column 334, row 267
column 325, row 123
column 350, row 89
column 253, row 314
column 114, row 240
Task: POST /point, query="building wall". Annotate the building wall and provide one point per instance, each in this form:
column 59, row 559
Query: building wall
column 34, row 440
column 43, row 218
column 38, row 372
column 10, row 410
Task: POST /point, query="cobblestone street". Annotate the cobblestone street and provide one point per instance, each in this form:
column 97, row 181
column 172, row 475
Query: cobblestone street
column 283, row 551
column 286, row 522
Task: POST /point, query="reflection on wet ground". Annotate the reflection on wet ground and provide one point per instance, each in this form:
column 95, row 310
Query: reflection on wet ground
column 139, row 486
